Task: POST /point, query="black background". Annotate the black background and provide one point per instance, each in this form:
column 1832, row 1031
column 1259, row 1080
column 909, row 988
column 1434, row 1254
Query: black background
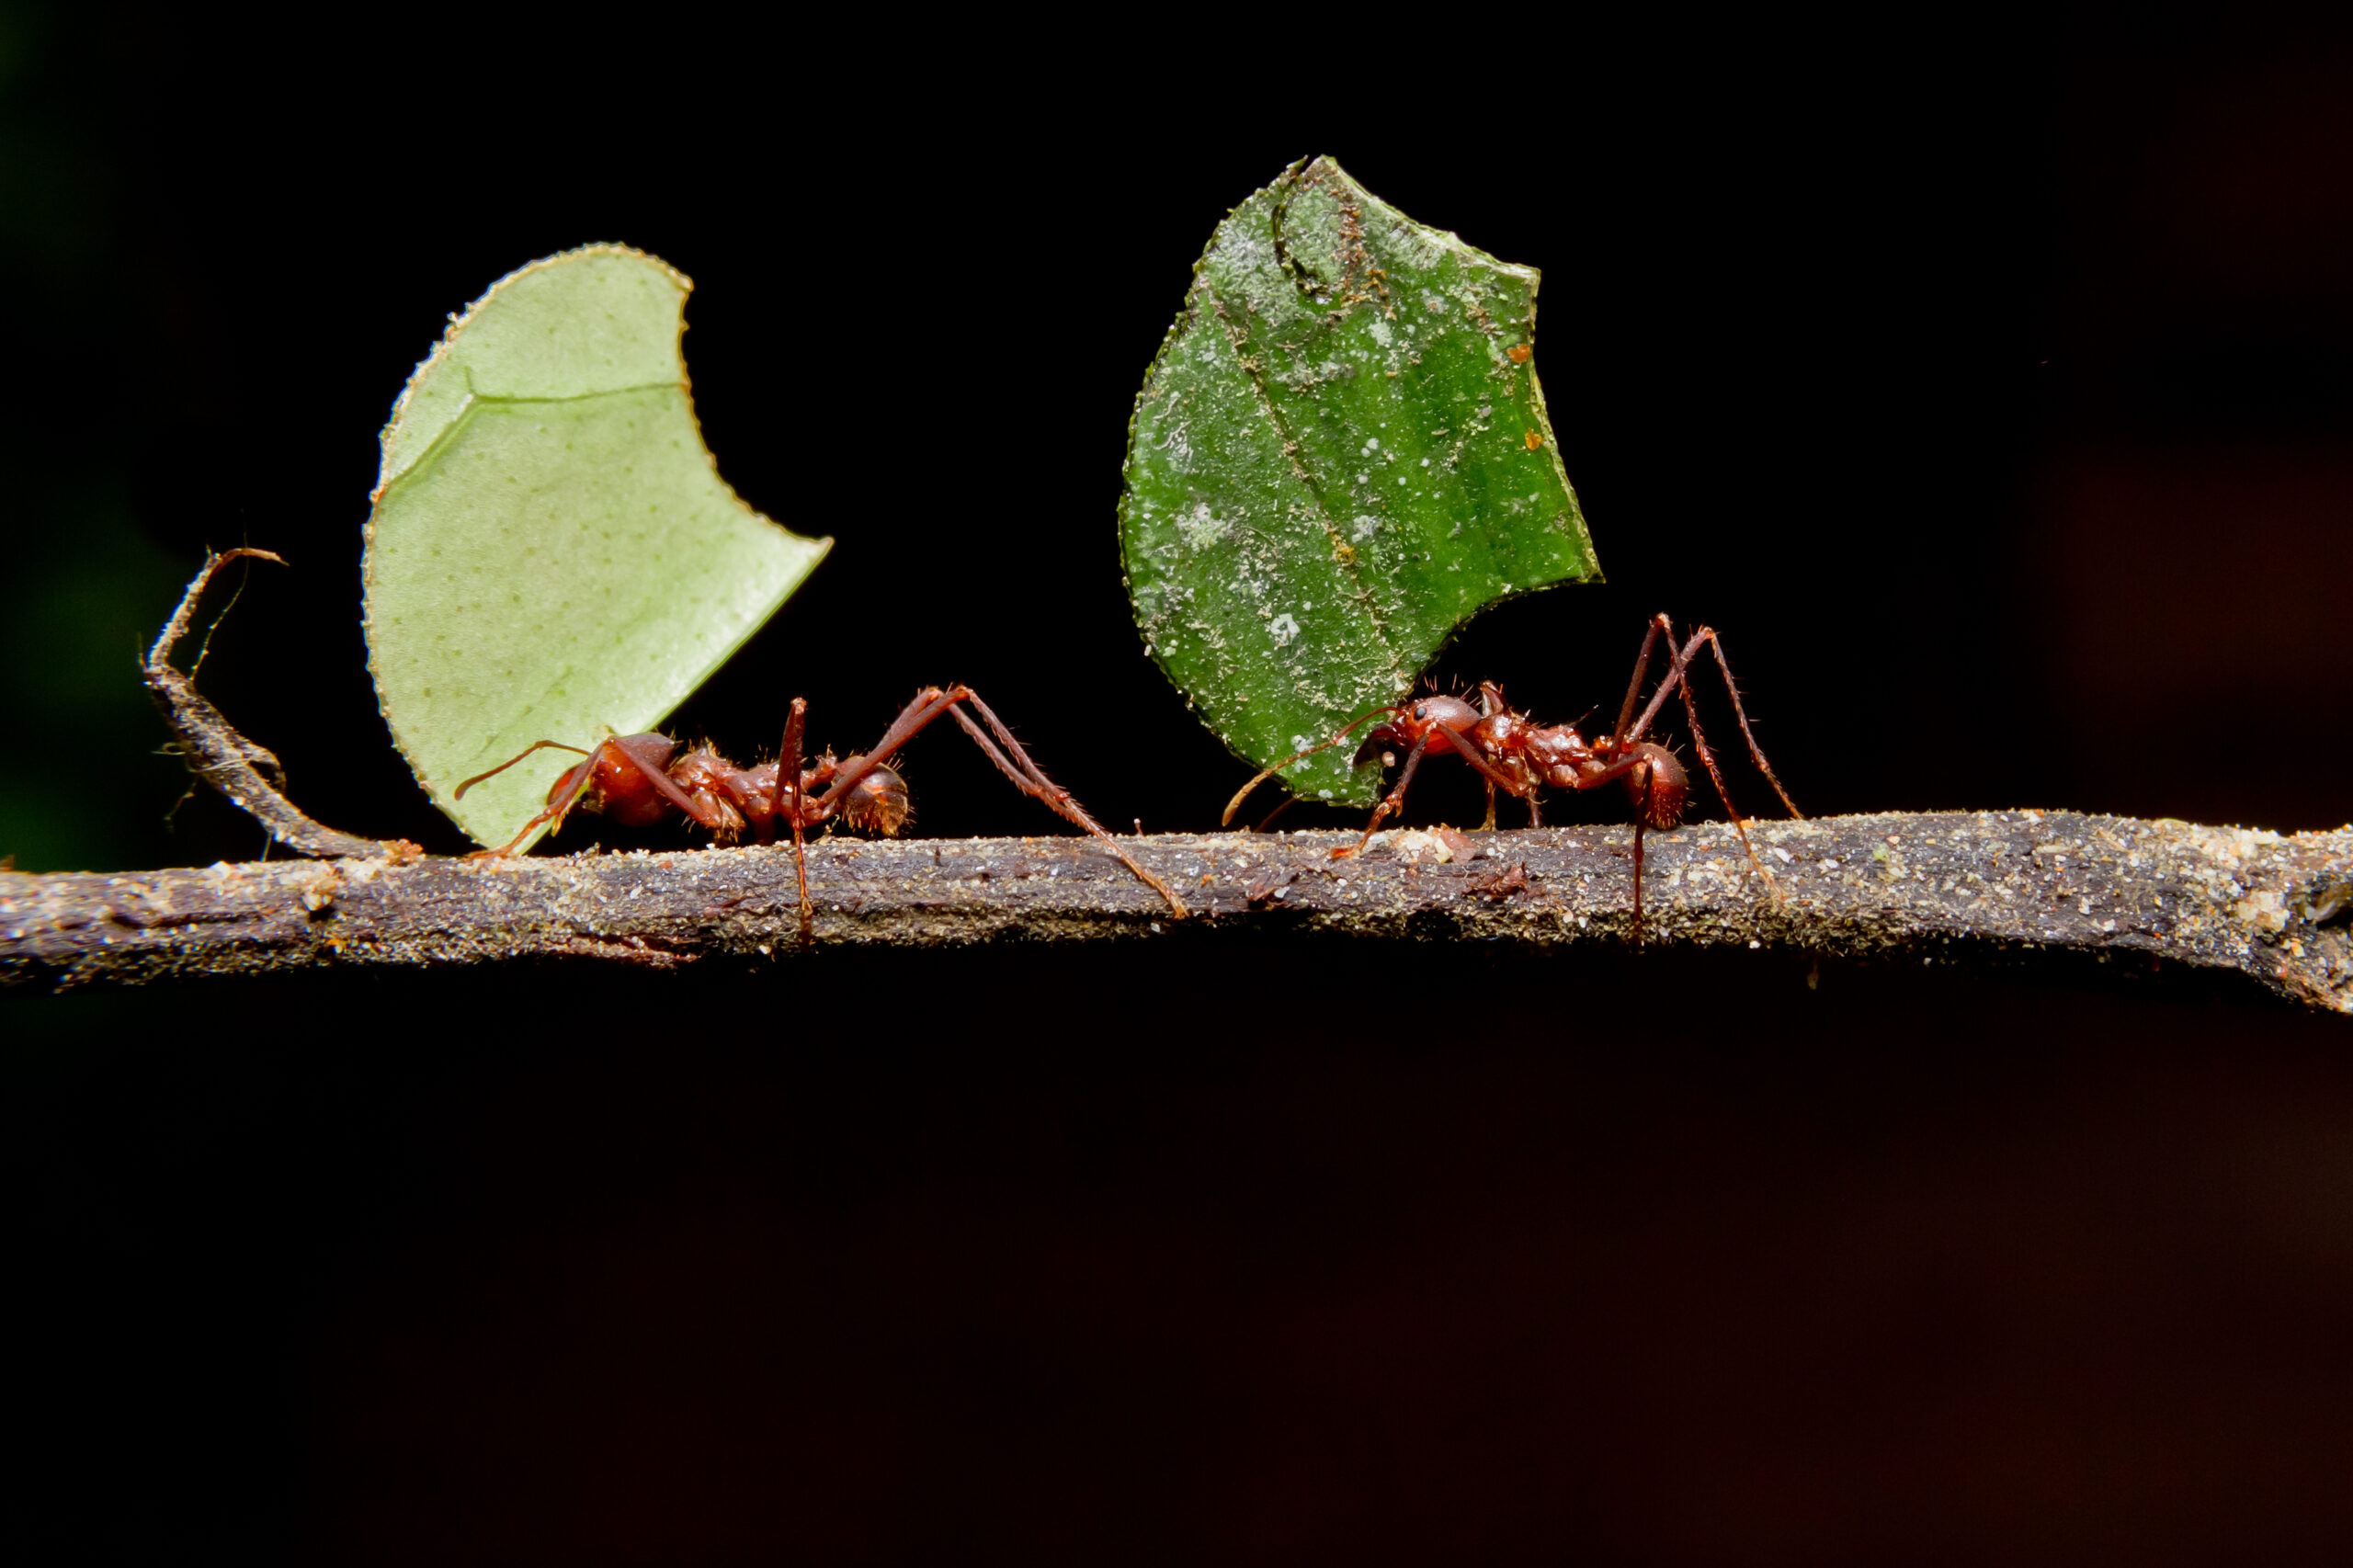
column 1989, row 389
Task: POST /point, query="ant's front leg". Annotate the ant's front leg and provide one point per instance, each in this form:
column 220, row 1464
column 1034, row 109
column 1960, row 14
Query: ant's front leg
column 561, row 798
column 1394, row 803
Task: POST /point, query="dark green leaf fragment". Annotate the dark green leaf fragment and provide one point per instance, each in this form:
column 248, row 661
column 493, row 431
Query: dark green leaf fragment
column 1339, row 456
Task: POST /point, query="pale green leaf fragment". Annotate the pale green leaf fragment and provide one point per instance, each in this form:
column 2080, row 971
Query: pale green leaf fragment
column 553, row 554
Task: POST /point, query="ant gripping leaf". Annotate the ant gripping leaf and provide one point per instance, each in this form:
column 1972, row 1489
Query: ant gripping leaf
column 1340, row 455
column 553, row 550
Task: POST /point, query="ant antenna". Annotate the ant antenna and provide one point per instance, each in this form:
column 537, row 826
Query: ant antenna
column 1244, row 793
column 460, row 793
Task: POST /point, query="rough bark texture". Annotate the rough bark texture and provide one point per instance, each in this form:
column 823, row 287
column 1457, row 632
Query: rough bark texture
column 1946, row 887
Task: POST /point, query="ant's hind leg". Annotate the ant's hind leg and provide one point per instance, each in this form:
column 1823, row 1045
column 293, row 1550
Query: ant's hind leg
column 928, row 705
column 787, row 804
column 1716, row 777
column 1659, row 626
column 1031, row 781
column 1755, row 753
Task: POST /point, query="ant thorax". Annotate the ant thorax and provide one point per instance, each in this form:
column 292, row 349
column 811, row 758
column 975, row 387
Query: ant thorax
column 1555, row 754
column 719, row 789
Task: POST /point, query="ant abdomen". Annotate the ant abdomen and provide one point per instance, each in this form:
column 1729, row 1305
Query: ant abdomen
column 1658, row 786
column 877, row 804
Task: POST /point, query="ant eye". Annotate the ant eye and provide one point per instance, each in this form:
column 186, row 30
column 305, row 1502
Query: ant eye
column 1421, row 710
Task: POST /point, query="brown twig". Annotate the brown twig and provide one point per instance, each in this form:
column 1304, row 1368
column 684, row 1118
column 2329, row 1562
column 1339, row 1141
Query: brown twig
column 222, row 757
column 1960, row 887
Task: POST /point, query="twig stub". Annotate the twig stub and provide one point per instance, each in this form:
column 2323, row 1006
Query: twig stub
column 222, row 757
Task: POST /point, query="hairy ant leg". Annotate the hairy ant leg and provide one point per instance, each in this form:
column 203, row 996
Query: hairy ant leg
column 1264, row 822
column 1027, row 777
column 1716, row 775
column 576, row 783
column 1393, row 801
column 1677, row 680
column 1495, row 776
column 1755, row 753
column 787, row 805
column 1645, row 807
column 1707, row 634
column 1490, row 702
column 567, row 791
column 1659, row 625
column 1031, row 780
column 1678, row 673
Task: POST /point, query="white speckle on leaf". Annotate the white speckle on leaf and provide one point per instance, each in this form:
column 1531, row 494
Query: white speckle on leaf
column 1366, row 527
column 1380, row 332
column 1200, row 526
column 1282, row 628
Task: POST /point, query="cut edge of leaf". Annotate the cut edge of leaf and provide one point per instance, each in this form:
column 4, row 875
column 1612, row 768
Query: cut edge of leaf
column 819, row 546
column 441, row 350
column 1185, row 315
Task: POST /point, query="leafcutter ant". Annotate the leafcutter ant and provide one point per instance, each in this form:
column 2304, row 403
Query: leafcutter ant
column 639, row 781
column 1521, row 757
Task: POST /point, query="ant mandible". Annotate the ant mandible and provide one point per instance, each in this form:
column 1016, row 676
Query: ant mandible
column 639, row 781
column 1521, row 757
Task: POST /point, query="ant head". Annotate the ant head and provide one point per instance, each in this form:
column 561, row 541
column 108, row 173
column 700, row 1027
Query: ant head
column 1450, row 711
column 877, row 804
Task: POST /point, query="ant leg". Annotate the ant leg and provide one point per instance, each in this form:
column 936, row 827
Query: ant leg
column 1244, row 793
column 1640, row 818
column 1659, row 624
column 1471, row 754
column 1755, row 753
column 1678, row 675
column 568, row 790
column 930, row 704
column 1691, row 714
column 1489, row 825
column 1716, row 777
column 1393, row 801
column 1268, row 820
column 1031, row 780
column 788, row 796
column 575, row 783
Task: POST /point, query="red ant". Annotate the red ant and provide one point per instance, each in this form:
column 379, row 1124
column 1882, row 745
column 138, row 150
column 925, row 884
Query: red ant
column 639, row 781
column 1521, row 757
